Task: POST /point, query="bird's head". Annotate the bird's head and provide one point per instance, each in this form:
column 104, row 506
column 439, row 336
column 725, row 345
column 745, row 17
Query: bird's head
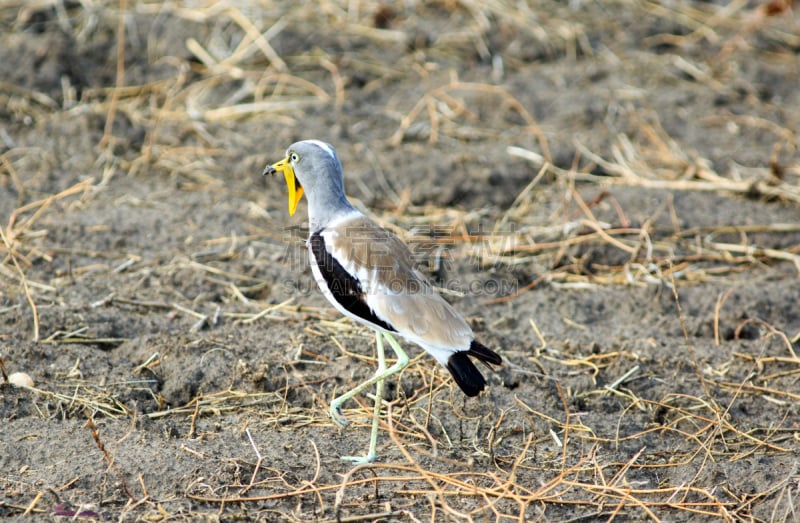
column 309, row 165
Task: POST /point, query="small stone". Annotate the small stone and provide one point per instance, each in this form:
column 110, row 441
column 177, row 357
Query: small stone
column 20, row 379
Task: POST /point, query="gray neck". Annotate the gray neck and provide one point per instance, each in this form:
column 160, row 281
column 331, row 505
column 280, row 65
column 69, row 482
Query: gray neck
column 324, row 188
column 326, row 204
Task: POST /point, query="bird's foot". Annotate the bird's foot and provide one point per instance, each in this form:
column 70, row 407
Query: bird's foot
column 360, row 460
column 337, row 416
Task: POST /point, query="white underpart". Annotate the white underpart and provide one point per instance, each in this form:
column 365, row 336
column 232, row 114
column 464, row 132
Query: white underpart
column 324, row 146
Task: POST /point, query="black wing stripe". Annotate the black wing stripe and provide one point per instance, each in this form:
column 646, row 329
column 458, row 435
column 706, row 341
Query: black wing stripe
column 345, row 287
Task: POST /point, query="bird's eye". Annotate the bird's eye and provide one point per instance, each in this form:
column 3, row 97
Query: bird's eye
column 294, row 157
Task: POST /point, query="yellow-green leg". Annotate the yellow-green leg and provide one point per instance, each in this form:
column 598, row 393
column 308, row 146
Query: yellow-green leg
column 380, row 377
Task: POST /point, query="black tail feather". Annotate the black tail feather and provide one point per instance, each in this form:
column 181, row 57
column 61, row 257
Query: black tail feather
column 484, row 354
column 467, row 376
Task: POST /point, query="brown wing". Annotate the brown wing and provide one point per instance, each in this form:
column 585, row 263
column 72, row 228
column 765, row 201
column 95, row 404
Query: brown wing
column 393, row 289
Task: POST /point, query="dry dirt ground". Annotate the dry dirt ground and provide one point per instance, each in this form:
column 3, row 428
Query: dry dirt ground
column 607, row 190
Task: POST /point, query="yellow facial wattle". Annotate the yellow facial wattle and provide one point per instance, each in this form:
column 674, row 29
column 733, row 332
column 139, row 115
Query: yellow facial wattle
column 295, row 189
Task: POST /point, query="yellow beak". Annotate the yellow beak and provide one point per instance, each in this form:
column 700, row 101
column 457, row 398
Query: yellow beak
column 295, row 189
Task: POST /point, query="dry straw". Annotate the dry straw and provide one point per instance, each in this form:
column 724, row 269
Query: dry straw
column 516, row 480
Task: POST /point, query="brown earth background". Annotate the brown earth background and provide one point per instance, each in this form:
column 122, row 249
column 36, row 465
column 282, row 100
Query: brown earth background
column 607, row 190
